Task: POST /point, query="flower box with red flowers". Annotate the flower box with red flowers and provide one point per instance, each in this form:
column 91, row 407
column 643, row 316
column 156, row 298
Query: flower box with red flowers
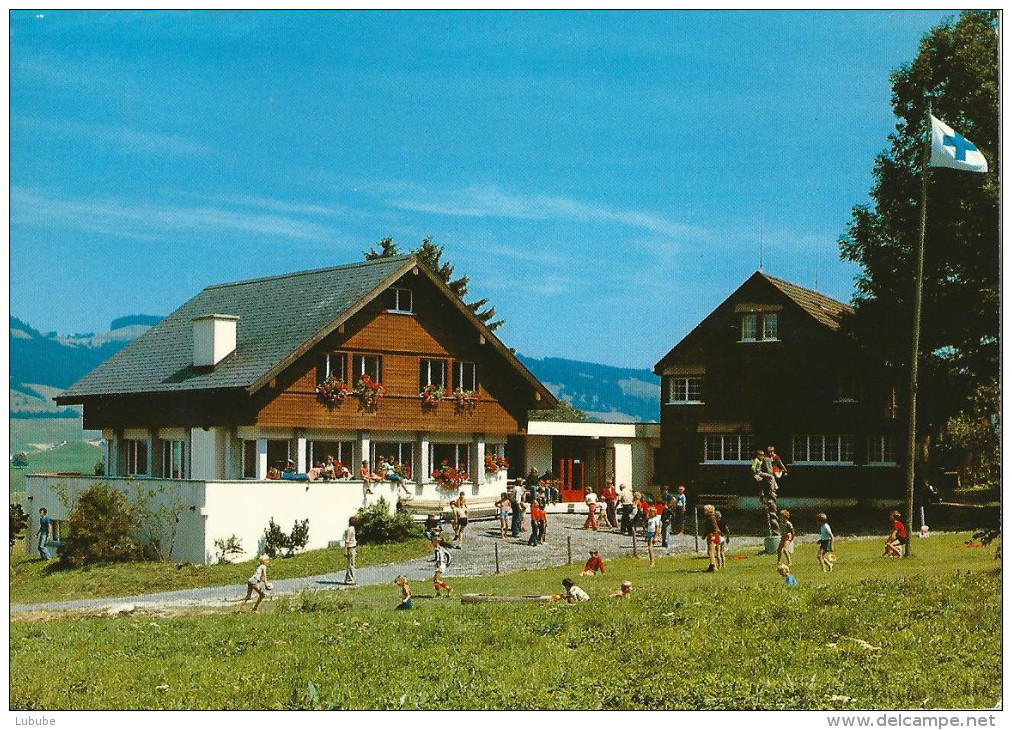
column 332, row 391
column 448, row 476
column 494, row 463
column 368, row 392
column 431, row 395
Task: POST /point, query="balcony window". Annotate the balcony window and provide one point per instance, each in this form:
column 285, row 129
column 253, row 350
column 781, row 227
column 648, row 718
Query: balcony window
column 332, row 363
column 400, row 452
column 172, row 460
column 465, row 376
column 136, row 457
column 727, row 448
column 454, row 454
column 882, row 451
column 371, row 365
column 823, row 449
column 431, row 372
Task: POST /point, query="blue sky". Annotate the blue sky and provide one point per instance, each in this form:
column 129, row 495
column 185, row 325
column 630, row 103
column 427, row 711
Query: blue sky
column 602, row 177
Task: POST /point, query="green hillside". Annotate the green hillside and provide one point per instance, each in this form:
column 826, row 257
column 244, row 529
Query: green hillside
column 72, row 456
column 25, row 432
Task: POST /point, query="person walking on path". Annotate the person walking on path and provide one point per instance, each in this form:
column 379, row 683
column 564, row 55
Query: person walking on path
column 592, row 507
column 350, row 550
column 610, row 497
column 680, row 502
column 45, row 533
column 253, row 584
column 459, row 520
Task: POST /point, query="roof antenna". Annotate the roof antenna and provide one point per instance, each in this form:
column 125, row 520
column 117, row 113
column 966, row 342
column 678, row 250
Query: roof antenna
column 816, row 272
column 760, row 242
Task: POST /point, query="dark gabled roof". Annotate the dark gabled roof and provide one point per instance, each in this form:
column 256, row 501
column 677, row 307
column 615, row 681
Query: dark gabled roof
column 826, row 311
column 280, row 319
column 277, row 315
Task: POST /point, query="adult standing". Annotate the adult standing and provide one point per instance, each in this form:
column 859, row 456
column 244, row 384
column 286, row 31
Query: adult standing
column 551, row 491
column 625, row 503
column 532, row 484
column 459, row 520
column 610, row 497
column 667, row 518
column 592, row 508
column 768, row 493
column 45, row 533
column 350, row 550
column 537, row 511
column 517, row 505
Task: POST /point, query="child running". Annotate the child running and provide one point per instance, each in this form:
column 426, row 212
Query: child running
column 786, row 546
column 897, row 538
column 253, row 584
column 653, row 524
column 406, row 603
column 826, row 539
column 442, row 561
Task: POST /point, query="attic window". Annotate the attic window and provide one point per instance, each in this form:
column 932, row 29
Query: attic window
column 399, row 300
column 759, row 327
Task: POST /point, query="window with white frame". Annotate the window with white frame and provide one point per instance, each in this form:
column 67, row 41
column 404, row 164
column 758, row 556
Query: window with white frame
column 399, row 300
column 278, row 453
column 882, row 450
column 172, row 460
column 756, row 327
column 400, row 452
column 371, row 365
column 685, row 389
column 332, row 363
column 727, row 447
column 431, row 372
column 823, row 449
column 136, row 457
column 458, row 455
column 465, row 376
column 342, row 451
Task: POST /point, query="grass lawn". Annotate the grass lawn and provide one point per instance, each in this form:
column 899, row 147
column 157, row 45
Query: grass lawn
column 75, row 456
column 33, row 581
column 923, row 632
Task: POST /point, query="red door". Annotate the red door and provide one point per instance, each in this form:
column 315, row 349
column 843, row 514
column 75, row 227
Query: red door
column 572, row 477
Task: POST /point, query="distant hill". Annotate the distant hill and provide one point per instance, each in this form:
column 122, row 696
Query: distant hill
column 42, row 365
column 603, row 392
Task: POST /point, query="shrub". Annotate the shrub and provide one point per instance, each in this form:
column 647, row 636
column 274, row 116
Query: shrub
column 101, row 529
column 19, row 523
column 100, row 468
column 277, row 543
column 376, row 524
column 227, row 547
column 20, row 460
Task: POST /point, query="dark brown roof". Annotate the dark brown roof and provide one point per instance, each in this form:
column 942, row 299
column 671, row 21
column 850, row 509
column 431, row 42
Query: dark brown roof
column 280, row 319
column 826, row 310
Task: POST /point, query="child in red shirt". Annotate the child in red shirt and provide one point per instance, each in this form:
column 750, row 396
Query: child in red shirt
column 594, row 564
column 897, row 538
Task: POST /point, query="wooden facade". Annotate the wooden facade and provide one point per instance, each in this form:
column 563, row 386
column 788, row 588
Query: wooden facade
column 831, row 415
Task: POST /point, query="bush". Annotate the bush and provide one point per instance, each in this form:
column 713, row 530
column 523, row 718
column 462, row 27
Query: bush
column 100, row 468
column 19, row 523
column 227, row 547
column 20, row 460
column 277, row 543
column 376, row 524
column 101, row 529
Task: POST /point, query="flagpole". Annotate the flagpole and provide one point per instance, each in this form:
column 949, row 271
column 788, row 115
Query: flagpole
column 915, row 344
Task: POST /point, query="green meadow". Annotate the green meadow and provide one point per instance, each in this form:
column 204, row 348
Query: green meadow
column 74, row 456
column 875, row 633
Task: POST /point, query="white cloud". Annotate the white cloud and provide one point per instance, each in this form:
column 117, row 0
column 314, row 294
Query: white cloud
column 124, row 139
column 30, row 207
column 482, row 202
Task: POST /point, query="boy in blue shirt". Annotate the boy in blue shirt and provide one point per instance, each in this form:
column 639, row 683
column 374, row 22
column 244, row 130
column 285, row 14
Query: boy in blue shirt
column 826, row 539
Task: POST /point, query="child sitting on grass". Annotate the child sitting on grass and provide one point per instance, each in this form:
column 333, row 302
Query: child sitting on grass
column 785, row 571
column 594, row 564
column 573, row 594
column 405, row 603
column 825, row 555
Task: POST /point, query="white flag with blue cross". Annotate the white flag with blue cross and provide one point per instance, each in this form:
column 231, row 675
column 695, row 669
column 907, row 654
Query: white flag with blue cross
column 951, row 149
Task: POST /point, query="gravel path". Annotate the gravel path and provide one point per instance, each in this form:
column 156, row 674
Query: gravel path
column 476, row 557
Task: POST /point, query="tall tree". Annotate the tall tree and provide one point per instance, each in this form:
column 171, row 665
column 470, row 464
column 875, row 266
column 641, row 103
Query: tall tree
column 956, row 70
column 432, row 256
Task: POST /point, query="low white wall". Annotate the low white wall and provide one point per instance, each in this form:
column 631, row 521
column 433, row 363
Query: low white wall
column 58, row 494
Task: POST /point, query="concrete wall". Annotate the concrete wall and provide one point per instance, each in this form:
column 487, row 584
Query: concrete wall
column 538, row 454
column 58, row 495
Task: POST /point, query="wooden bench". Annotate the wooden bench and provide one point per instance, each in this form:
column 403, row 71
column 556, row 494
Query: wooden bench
column 719, row 501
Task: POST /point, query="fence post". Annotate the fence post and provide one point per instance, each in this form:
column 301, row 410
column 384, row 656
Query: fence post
column 569, row 550
column 695, row 518
column 496, row 545
column 634, row 541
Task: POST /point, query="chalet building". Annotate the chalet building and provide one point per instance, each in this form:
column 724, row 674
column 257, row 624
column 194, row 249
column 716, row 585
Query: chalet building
column 225, row 389
column 770, row 366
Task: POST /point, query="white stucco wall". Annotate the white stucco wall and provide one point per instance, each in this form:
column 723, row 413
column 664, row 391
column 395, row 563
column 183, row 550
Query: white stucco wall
column 538, row 453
